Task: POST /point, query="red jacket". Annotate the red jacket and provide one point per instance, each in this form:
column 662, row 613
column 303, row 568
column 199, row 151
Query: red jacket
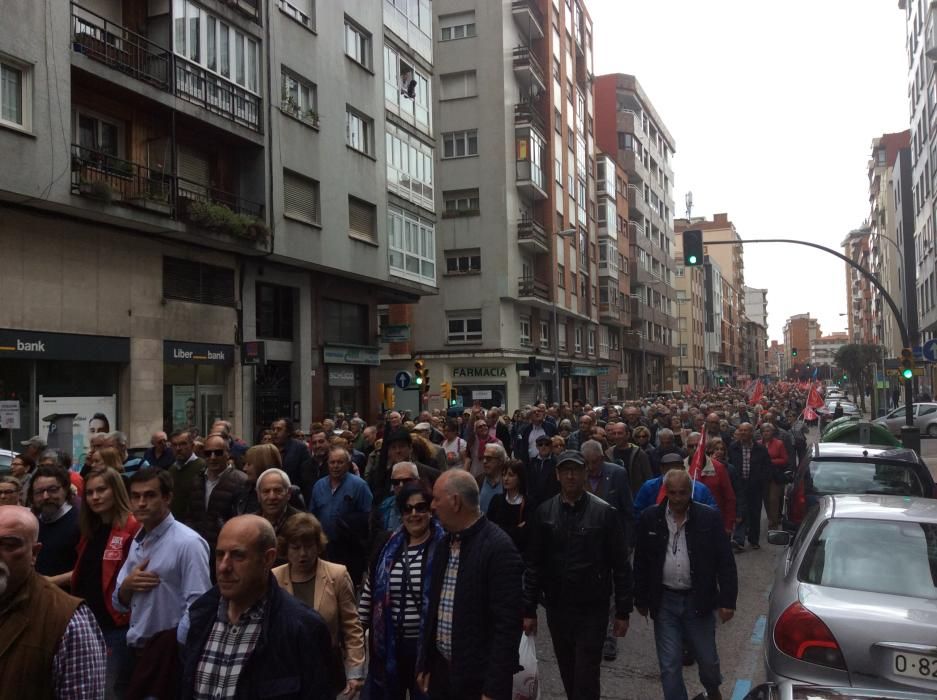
column 716, row 478
column 115, row 554
column 777, row 452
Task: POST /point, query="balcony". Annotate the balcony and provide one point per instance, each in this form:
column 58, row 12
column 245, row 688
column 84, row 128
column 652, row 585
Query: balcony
column 636, row 203
column 634, row 166
column 198, row 86
column 609, row 314
column 609, row 268
column 189, row 192
column 119, row 48
column 531, row 288
column 528, row 18
column 532, row 236
column 528, row 71
column 528, row 113
column 530, row 179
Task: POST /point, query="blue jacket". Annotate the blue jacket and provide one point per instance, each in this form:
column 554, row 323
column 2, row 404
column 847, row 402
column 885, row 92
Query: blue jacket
column 647, row 496
column 292, row 658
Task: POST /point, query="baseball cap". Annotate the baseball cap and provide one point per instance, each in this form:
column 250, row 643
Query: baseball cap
column 570, row 457
column 34, row 441
column 423, row 426
column 671, row 458
column 544, row 440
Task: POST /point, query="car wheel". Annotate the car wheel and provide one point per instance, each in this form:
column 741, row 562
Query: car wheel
column 932, row 430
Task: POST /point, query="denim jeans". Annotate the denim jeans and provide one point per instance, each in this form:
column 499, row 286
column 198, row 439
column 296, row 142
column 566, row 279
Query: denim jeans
column 119, row 662
column 674, row 624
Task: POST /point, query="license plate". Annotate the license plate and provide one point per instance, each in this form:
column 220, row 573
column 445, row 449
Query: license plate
column 914, row 665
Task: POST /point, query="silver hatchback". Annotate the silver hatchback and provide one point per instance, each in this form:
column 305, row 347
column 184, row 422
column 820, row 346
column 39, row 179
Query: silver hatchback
column 854, row 602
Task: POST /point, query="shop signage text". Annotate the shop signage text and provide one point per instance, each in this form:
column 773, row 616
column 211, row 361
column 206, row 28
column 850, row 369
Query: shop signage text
column 63, row 346
column 180, row 353
column 395, row 334
column 348, row 355
column 480, row 372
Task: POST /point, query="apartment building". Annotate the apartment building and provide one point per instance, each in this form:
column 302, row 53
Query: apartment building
column 777, row 359
column 198, row 222
column 859, row 291
column 884, row 253
column 517, row 231
column 714, row 305
column 628, row 125
column 800, row 333
column 823, row 349
column 730, row 261
column 755, row 331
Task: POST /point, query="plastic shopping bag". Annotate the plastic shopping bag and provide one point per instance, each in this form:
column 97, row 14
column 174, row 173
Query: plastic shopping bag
column 526, row 681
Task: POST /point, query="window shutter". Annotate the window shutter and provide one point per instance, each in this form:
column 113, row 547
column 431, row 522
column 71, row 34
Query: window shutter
column 193, row 166
column 301, row 198
column 362, row 218
column 189, row 280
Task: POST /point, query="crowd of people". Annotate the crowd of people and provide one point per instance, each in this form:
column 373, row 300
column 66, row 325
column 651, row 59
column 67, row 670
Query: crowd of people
column 403, row 558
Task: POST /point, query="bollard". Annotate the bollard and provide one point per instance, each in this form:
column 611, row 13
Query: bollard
column 911, row 437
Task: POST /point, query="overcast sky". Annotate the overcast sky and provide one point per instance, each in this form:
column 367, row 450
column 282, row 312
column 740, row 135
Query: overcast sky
column 773, row 107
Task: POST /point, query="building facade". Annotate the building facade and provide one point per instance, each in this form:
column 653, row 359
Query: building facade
column 859, row 290
column 628, row 125
column 823, row 349
column 213, row 240
column 800, row 332
column 756, row 331
column 777, row 359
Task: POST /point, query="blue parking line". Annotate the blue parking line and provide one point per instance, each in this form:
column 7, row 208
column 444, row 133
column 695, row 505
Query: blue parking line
column 741, row 689
column 758, row 633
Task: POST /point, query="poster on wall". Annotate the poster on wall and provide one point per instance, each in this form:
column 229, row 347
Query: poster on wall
column 68, row 422
column 183, row 406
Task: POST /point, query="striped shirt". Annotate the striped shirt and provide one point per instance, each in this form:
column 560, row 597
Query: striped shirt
column 406, row 589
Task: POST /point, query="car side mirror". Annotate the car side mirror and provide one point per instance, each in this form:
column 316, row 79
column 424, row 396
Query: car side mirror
column 779, row 537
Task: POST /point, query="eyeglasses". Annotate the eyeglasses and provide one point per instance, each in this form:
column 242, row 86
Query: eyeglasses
column 401, row 482
column 422, row 507
column 5, row 493
column 214, row 453
column 51, row 490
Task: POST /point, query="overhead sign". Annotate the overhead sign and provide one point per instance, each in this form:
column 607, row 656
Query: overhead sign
column 63, row 346
column 177, row 352
column 351, row 355
column 481, row 395
column 10, row 415
column 480, row 373
column 402, row 380
column 929, row 351
column 399, row 333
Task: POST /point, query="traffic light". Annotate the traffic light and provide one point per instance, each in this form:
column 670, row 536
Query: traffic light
column 446, row 391
column 793, row 352
column 533, row 366
column 425, row 386
column 692, row 247
column 907, row 363
column 722, row 380
column 419, row 373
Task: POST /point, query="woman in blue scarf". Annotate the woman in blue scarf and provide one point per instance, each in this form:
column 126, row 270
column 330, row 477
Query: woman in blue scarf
column 395, row 598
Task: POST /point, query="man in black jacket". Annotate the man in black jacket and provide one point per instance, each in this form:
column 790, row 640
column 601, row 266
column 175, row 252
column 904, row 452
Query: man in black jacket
column 473, row 628
column 541, row 473
column 293, row 453
column 526, row 447
column 578, row 554
column 753, row 463
column 684, row 571
column 627, row 454
column 248, row 631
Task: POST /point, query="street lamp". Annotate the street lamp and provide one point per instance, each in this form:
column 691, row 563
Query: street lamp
column 564, row 234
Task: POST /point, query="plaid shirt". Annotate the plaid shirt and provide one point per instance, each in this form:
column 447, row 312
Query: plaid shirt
column 447, row 601
column 226, row 651
column 746, row 461
column 78, row 665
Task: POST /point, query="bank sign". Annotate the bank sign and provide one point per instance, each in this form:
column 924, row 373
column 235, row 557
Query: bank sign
column 37, row 345
column 479, row 373
column 179, row 353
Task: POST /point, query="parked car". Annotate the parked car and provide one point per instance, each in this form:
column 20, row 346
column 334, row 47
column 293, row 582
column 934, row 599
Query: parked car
column 925, row 418
column 6, row 459
column 827, row 411
column 855, row 598
column 862, row 432
column 839, row 467
column 804, row 691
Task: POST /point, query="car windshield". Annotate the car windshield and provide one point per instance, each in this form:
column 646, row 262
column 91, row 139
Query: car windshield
column 830, row 477
column 881, row 556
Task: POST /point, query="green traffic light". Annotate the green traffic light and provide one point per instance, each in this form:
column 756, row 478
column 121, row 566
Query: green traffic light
column 907, row 373
column 419, row 380
column 692, row 259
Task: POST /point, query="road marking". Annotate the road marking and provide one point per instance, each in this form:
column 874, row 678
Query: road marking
column 758, row 633
column 741, row 689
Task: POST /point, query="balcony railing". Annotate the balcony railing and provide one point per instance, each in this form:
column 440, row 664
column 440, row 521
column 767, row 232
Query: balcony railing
column 189, row 191
column 525, row 61
column 108, row 178
column 530, row 231
column 199, row 86
column 529, row 112
column 532, row 287
column 528, row 17
column 121, row 49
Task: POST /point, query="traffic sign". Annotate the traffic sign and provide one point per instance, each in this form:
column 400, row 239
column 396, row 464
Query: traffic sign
column 10, row 415
column 402, row 379
column 929, row 351
column 896, row 372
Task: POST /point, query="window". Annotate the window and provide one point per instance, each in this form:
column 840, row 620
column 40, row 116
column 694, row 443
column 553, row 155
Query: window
column 412, row 21
column 461, row 203
column 14, row 94
column 301, row 198
column 359, row 132
column 274, row 311
column 560, row 277
column 189, row 280
column 357, row 44
column 362, row 219
column 209, row 42
column 303, row 11
column 591, row 342
column 530, row 154
column 463, row 262
column 545, row 335
column 454, row 86
column 457, row 26
column 525, row 330
column 465, row 328
column 460, row 144
column 298, row 98
column 406, row 90
column 409, row 167
column 563, row 331
column 98, row 134
column 344, row 322
column 411, row 246
column 578, row 339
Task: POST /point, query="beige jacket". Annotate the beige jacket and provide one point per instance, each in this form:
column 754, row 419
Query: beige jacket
column 335, row 602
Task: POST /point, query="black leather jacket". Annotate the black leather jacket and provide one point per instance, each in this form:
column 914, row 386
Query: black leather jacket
column 577, row 554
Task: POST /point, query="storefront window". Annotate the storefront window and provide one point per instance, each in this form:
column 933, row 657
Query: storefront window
column 193, row 395
column 342, row 391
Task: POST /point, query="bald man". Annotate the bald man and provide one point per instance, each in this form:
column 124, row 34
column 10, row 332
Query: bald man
column 52, row 646
column 249, row 633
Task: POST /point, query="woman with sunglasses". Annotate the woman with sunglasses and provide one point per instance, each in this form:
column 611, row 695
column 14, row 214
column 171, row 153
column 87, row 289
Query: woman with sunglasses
column 107, row 531
column 391, row 604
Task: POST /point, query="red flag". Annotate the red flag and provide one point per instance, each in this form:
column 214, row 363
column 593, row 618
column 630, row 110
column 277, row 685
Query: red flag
column 809, row 414
column 699, row 457
column 757, row 393
column 814, row 400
